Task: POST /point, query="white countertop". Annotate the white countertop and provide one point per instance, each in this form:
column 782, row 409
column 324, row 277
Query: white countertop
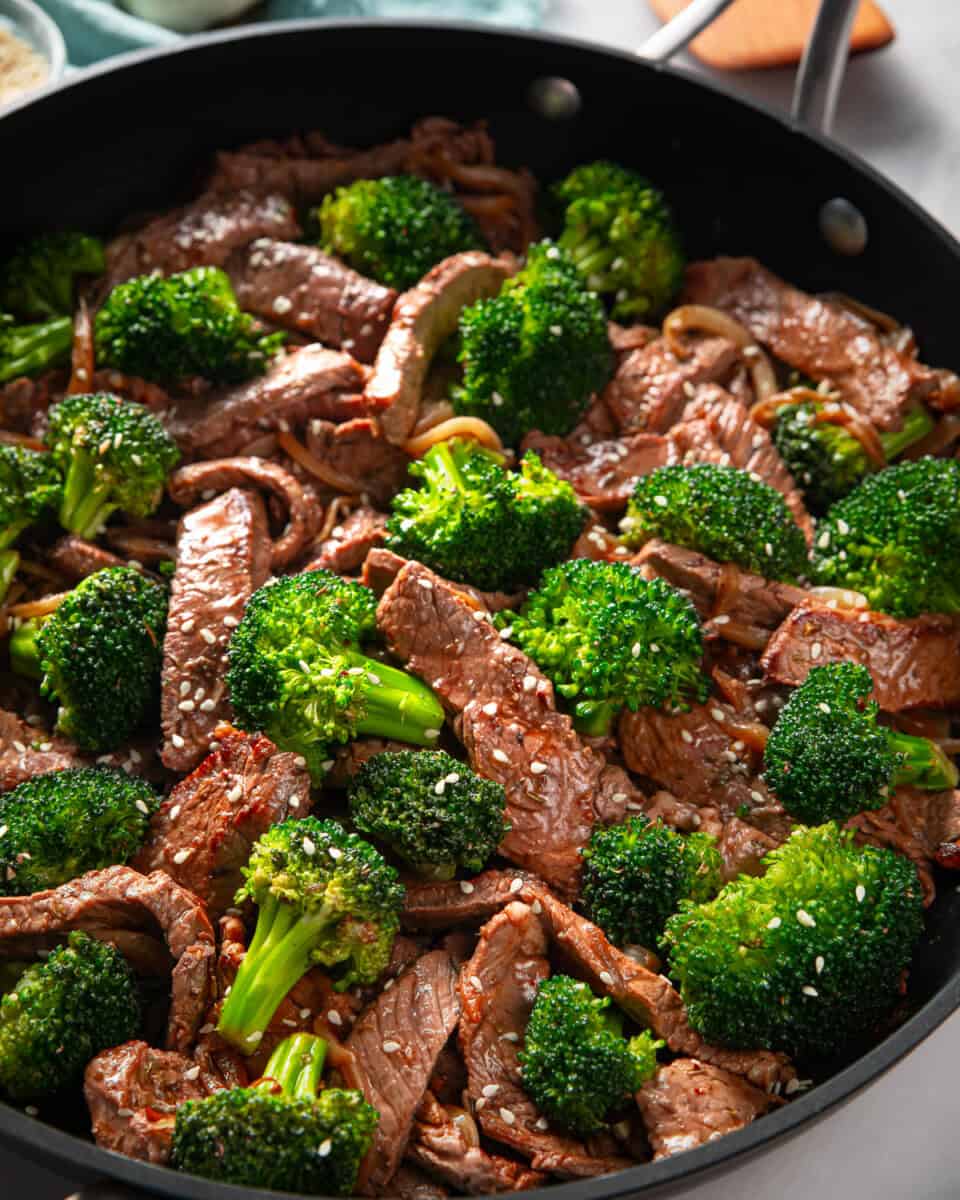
column 900, row 109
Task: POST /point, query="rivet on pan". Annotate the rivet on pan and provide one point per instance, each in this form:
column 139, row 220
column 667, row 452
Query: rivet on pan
column 554, row 98
column 844, row 227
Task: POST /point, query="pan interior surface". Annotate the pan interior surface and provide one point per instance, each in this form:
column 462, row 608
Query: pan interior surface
column 135, row 137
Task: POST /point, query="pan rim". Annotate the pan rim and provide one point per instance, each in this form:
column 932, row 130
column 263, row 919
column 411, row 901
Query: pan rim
column 48, row 1142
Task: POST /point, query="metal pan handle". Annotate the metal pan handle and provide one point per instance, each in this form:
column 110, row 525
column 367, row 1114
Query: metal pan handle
column 821, row 70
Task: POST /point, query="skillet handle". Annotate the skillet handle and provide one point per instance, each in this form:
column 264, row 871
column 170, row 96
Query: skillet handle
column 821, row 69
column 106, row 1190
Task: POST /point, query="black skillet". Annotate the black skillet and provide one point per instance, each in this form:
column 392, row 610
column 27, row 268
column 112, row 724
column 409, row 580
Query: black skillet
column 132, row 136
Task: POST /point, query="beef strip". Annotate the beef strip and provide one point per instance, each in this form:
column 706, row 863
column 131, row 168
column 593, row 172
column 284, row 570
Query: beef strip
column 689, row 1103
column 624, row 338
column 396, row 1043
column 349, row 543
column 743, row 846
column 602, row 473
column 441, row 1147
column 114, row 901
column 302, row 289
column 28, row 750
column 598, row 543
column 77, row 558
column 306, row 383
column 430, row 905
column 423, row 319
column 200, row 480
column 223, row 556
column 814, row 336
column 718, row 428
column 652, row 386
column 203, row 233
column 507, row 721
column 350, row 757
column 361, row 456
column 382, row 566
column 203, row 833
column 708, row 756
column 133, row 1092
column 736, row 605
column 410, row 1183
column 923, row 826
column 915, row 663
column 294, row 172
column 650, row 999
column 498, row 987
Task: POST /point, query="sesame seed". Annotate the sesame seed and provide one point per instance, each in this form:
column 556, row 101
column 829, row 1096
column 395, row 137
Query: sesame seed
column 181, row 856
column 497, row 399
column 843, row 527
column 479, row 1103
column 327, row 764
column 660, row 501
column 538, row 768
column 186, row 706
column 824, row 707
column 121, row 1112
column 687, row 736
column 425, row 584
column 187, row 626
column 636, row 649
column 207, row 706
column 466, row 887
column 506, row 1116
column 208, row 1028
column 774, row 923
column 191, row 1073
column 506, row 633
column 372, row 679
column 431, row 733
column 490, row 709
column 499, row 755
column 542, row 1123
column 819, row 964
column 861, row 893
column 805, row 919
column 510, row 1037
column 439, row 787
column 809, row 991
column 208, row 637
column 335, row 852
column 334, row 1017
column 4, row 828
column 607, row 978
column 20, row 747
column 529, row 683
column 391, row 1047
column 178, row 741
column 174, row 812
column 139, row 805
column 490, row 1090
column 325, row 1147
column 823, row 541
column 516, row 885
column 184, row 688
column 816, row 650
column 768, row 549
column 756, row 797
column 536, row 907
column 282, row 305
column 717, row 714
column 723, row 619
column 556, row 330
column 309, row 846
column 476, row 982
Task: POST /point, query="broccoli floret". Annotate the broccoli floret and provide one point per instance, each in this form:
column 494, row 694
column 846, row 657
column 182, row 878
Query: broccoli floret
column 432, row 810
column 806, row 958
column 475, row 522
column 30, row 349
column 722, row 512
column 394, row 229
column 82, row 999
column 29, row 490
column 535, row 354
column 38, row 281
column 609, row 638
column 325, row 897
column 171, row 328
column 297, row 671
column 896, row 539
column 55, row 827
column 828, row 759
column 577, row 1065
column 826, row 459
column 280, row 1133
column 619, row 230
column 99, row 655
column 636, row 874
column 114, row 455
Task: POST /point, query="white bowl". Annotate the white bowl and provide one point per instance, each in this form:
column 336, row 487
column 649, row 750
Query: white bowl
column 187, row 16
column 29, row 22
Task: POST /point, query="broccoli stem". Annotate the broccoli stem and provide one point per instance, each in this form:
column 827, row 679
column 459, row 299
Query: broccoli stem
column 916, row 425
column 278, row 957
column 922, row 763
column 443, row 474
column 398, row 706
column 592, row 256
column 28, row 349
column 595, row 717
column 24, row 653
column 296, row 1065
column 9, row 562
column 85, row 507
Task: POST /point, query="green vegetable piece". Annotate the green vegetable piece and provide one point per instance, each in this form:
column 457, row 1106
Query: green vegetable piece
column 29, row 491
column 31, row 349
column 38, row 281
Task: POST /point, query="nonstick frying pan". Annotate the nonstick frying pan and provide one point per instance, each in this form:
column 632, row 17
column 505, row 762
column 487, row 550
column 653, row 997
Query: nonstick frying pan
column 132, row 135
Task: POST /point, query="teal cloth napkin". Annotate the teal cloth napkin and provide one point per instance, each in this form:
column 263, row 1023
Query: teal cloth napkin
column 96, row 29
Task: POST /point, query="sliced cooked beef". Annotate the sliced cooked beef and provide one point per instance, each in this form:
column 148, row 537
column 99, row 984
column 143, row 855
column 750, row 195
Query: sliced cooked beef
column 349, row 543
column 422, row 320
column 223, row 556
column 108, row 904
column 498, row 987
column 382, row 567
column 507, row 721
column 27, row 750
column 602, row 473
column 743, row 846
column 441, row 1146
column 410, row 1183
column 303, row 289
column 349, row 758
column 814, row 336
column 914, row 663
column 652, row 386
column 689, row 1103
column 306, row 383
column 24, row 402
column 302, row 177
column 741, row 607
column 462, row 901
column 598, row 543
column 203, row 833
column 923, row 826
column 133, row 1092
column 201, row 480
column 77, row 558
column 650, row 999
column 716, row 427
column 396, row 1043
column 203, row 233
column 624, row 338
column 708, row 756
column 366, row 462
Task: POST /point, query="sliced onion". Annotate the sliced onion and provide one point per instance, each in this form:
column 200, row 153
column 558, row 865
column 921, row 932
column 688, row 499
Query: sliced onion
column 320, row 470
column 465, row 427
column 837, row 597
column 699, row 318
